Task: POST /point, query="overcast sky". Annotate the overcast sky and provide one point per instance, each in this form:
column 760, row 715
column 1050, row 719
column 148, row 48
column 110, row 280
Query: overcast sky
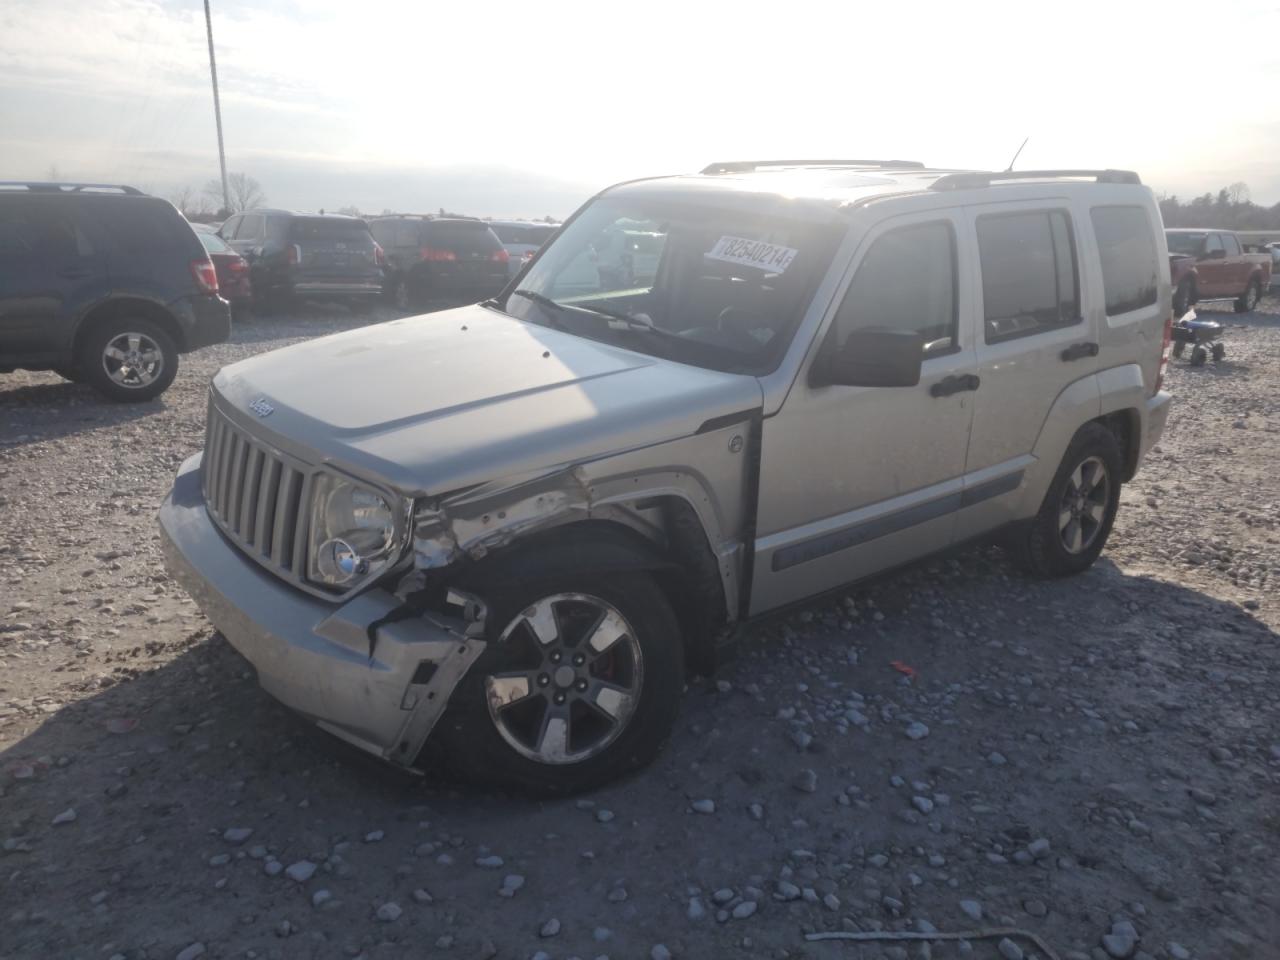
column 522, row 109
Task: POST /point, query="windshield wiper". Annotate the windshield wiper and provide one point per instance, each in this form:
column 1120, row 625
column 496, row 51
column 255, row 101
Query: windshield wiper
column 540, row 299
column 636, row 323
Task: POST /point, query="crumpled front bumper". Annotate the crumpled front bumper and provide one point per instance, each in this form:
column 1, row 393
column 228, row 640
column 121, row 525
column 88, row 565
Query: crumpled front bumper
column 313, row 656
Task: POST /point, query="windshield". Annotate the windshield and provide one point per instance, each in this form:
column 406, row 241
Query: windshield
column 712, row 286
column 1188, row 243
column 214, row 243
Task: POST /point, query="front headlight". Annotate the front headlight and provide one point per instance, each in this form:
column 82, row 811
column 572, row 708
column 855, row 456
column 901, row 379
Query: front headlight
column 354, row 531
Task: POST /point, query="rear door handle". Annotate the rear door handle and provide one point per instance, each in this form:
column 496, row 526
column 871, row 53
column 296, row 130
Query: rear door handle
column 956, row 383
column 1078, row 351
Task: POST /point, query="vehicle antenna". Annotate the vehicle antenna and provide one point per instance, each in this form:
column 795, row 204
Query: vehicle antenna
column 1009, row 168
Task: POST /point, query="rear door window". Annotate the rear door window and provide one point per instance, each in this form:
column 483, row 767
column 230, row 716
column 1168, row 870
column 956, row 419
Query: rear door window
column 1030, row 280
column 1130, row 271
column 906, row 281
column 51, row 233
column 1231, row 245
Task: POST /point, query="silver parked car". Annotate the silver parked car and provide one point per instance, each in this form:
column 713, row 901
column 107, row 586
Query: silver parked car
column 506, row 533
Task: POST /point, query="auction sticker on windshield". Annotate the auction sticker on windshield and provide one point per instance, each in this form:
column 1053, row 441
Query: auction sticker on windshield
column 753, row 253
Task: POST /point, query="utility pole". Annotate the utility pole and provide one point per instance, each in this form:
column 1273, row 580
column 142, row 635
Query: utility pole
column 217, row 108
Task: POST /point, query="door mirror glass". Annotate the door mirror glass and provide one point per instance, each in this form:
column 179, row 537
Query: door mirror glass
column 872, row 358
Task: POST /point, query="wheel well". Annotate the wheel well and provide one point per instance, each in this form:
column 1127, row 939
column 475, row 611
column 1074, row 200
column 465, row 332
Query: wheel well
column 1127, row 428
column 683, row 565
column 129, row 306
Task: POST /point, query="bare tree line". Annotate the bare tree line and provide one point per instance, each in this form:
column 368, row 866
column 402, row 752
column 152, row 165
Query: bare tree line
column 1230, row 209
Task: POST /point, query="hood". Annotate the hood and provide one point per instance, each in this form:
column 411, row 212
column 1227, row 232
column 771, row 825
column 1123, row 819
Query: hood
column 438, row 402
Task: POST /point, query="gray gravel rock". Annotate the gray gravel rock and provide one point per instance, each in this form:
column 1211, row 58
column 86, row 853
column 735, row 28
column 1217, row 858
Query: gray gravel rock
column 549, row 929
column 971, row 909
column 1009, row 950
column 300, row 872
column 806, row 781
column 389, row 912
column 703, row 806
column 916, row 730
column 190, row 952
column 237, row 835
column 745, row 909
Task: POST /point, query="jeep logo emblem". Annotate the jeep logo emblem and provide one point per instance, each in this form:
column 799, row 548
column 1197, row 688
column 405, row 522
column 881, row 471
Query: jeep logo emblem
column 260, row 406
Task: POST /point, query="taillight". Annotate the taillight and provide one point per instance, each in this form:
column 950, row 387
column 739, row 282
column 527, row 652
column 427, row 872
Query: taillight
column 1166, row 349
column 205, row 276
column 294, row 254
column 379, row 257
column 501, row 256
column 435, row 253
column 528, row 254
column 238, row 266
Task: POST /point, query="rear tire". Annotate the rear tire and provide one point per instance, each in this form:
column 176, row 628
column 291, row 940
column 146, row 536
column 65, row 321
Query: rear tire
column 1198, row 356
column 1249, row 299
column 498, row 728
column 1078, row 510
column 128, row 360
column 1219, row 351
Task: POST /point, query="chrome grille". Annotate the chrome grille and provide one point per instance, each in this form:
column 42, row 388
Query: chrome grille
column 257, row 497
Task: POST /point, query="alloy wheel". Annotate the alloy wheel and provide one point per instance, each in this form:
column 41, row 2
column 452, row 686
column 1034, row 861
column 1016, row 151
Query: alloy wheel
column 571, row 679
column 133, row 360
column 1084, row 505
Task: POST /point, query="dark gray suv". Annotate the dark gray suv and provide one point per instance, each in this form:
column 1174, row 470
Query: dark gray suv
column 103, row 284
column 298, row 256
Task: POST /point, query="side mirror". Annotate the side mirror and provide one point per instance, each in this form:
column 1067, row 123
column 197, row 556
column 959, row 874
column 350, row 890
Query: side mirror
column 871, row 358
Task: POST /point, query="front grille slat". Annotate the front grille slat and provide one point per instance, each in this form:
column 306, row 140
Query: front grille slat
column 286, row 520
column 262, row 538
column 300, row 534
column 225, row 456
column 235, row 491
column 258, row 497
column 249, row 498
column 212, row 437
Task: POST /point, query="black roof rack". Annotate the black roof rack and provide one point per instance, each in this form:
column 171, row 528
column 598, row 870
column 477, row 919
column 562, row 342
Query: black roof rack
column 746, row 166
column 37, row 186
column 966, row 181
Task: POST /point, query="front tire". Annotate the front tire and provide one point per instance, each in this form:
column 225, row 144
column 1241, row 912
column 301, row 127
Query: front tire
column 1249, row 299
column 128, row 360
column 580, row 684
column 1079, row 509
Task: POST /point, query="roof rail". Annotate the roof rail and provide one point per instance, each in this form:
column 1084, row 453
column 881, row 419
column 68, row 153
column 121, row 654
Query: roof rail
column 746, row 166
column 38, row 186
column 969, row 180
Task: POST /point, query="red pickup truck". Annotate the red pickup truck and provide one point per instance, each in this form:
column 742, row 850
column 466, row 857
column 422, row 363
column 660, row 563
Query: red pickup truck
column 1212, row 265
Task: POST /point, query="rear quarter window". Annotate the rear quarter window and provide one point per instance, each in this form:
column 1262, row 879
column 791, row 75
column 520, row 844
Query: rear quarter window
column 146, row 227
column 1130, row 273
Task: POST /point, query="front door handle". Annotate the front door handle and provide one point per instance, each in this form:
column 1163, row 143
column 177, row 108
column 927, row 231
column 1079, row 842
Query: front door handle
column 1078, row 351
column 956, row 383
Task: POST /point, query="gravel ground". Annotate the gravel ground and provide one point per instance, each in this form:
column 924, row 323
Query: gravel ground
column 1095, row 761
